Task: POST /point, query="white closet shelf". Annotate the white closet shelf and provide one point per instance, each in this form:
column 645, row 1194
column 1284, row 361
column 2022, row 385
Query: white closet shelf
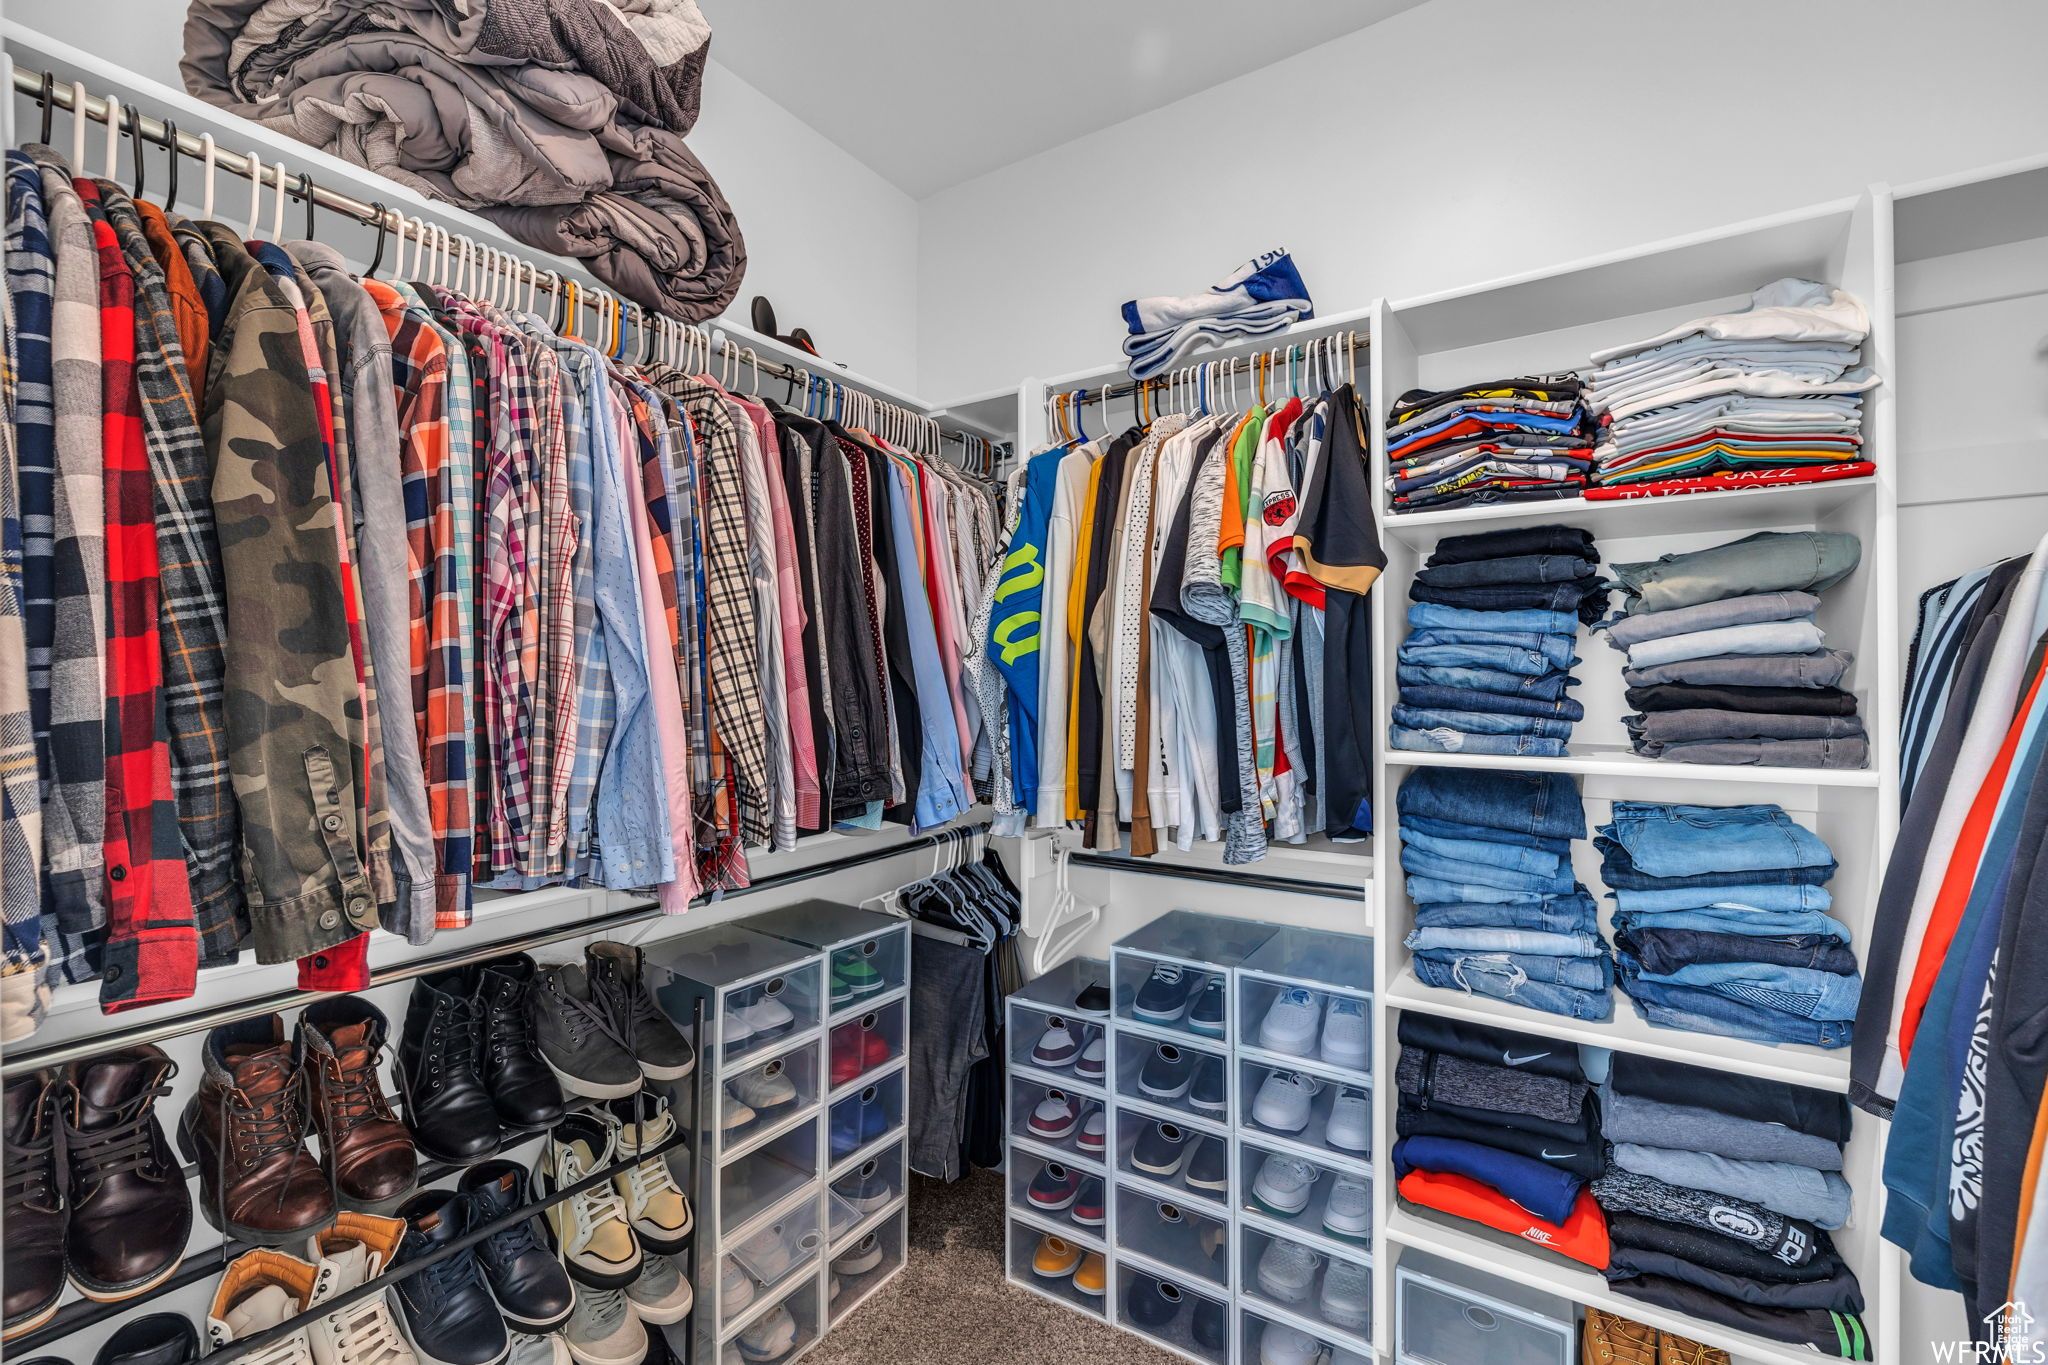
column 1616, row 761
column 1820, row 1068
column 1733, row 510
column 1496, row 1254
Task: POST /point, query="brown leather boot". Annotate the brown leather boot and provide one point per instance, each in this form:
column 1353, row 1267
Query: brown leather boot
column 34, row 1211
column 367, row 1152
column 1610, row 1339
column 246, row 1131
column 130, row 1209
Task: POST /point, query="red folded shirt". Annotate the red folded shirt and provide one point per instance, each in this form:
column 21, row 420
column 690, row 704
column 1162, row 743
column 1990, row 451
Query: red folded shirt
column 1732, row 478
column 1583, row 1236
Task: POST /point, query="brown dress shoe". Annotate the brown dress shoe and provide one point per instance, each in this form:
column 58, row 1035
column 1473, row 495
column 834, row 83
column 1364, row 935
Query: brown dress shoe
column 367, row 1152
column 246, row 1131
column 130, row 1209
column 34, row 1210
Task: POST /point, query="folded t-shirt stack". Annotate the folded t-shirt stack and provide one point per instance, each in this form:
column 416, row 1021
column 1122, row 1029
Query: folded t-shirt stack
column 1489, row 650
column 1497, row 910
column 1725, row 662
column 1721, row 924
column 1768, row 395
column 1507, row 440
column 1720, row 1192
column 1263, row 295
column 1500, row 1128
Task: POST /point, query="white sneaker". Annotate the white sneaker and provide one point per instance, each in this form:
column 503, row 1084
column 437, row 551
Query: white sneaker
column 1340, row 1356
column 1284, row 1184
column 735, row 1288
column 655, row 1204
column 661, row 1294
column 736, row 1032
column 1348, row 1214
column 1287, row 1272
column 865, row 1256
column 593, row 1235
column 605, row 1329
column 1344, row 1033
column 1283, row 1101
column 1350, row 1125
column 1056, row 1117
column 765, row 1017
column 770, row 1338
column 1290, row 1025
column 763, row 1088
column 356, row 1249
column 1347, row 1296
column 259, row 1290
column 1094, row 1061
column 546, row 1349
column 1280, row 1344
column 775, row 1250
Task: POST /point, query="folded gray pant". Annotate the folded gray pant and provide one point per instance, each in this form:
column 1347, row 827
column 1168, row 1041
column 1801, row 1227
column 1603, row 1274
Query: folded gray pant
column 1817, row 1197
column 1653, row 1123
column 1453, row 1080
column 1788, row 1239
column 1658, row 728
column 1769, row 561
column 1839, row 1292
column 1820, row 668
column 1773, row 753
column 1626, row 632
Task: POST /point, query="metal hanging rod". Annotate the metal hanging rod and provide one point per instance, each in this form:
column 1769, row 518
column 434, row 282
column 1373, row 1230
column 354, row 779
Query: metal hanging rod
column 483, row 266
column 1262, row 881
column 1347, row 344
column 192, row 1021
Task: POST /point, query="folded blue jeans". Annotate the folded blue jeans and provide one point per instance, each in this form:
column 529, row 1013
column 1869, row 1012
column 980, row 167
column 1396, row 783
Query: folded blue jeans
column 1543, row 686
column 1794, row 990
column 1555, row 915
column 1620, row 873
column 1554, row 650
column 1758, row 637
column 1783, row 896
column 1735, row 920
column 1445, row 740
column 1497, row 658
column 1509, row 982
column 1508, row 569
column 1516, row 857
column 1422, row 863
column 1684, row 841
column 1434, row 615
column 1542, row 805
column 1661, row 952
column 1697, row 1011
column 1498, row 940
column 1573, row 971
column 1428, row 697
column 1427, row 890
column 1481, row 722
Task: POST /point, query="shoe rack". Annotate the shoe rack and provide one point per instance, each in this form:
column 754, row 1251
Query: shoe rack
column 772, row 1226
column 1198, row 1245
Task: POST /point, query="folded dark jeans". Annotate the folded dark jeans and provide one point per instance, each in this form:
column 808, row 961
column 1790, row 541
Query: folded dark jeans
column 1515, row 540
column 1459, row 829
column 1519, row 802
column 1462, row 699
column 1620, row 873
column 1510, row 569
column 1820, row 1112
column 1584, row 596
column 1654, row 729
column 1544, row 686
column 1527, row 1052
column 1782, row 701
column 1837, row 754
column 1840, row 1292
column 1707, row 1247
column 1818, row 668
column 1661, row 951
column 1584, row 1154
column 1841, row 1335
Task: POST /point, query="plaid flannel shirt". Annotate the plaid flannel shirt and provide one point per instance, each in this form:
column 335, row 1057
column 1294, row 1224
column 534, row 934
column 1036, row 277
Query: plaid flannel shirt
column 585, row 409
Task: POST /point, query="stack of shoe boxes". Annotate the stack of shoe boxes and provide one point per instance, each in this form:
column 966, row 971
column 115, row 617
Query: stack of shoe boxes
column 1189, row 1125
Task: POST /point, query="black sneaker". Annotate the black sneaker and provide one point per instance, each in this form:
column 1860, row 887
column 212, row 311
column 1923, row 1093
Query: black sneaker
column 1209, row 1167
column 1205, row 1016
column 530, row 1285
column 618, row 979
column 1160, row 1150
column 1163, row 999
column 1210, row 1092
column 1212, row 1325
column 1167, row 1073
column 1093, row 1001
column 446, row 1310
column 581, row 1043
column 1152, row 1304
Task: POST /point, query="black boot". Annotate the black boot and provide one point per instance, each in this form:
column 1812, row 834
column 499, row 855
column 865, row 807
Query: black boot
column 521, row 1085
column 530, row 1285
column 440, row 1072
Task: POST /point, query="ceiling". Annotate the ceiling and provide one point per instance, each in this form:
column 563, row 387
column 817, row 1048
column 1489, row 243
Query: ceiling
column 929, row 93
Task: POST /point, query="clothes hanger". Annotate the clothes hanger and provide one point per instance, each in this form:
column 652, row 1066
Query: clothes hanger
column 112, row 160
column 78, row 99
column 255, row 194
column 141, row 162
column 306, row 189
column 277, row 208
column 1069, row 921
column 48, row 99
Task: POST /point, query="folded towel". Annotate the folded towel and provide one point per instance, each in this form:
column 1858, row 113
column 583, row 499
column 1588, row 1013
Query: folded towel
column 1267, row 279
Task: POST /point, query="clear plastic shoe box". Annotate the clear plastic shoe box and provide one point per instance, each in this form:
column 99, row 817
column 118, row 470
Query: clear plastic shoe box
column 1183, row 1077
column 1194, row 949
column 1334, row 1297
column 863, row 1261
column 1164, row 1153
column 1174, row 1235
column 1450, row 1314
column 865, row 1043
column 1028, row 1094
column 1174, row 1311
column 867, row 955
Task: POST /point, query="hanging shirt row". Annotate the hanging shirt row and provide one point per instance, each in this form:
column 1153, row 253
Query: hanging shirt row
column 329, row 601
column 1179, row 635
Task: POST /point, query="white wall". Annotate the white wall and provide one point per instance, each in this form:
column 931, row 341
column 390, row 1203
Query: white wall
column 1462, row 141
column 832, row 244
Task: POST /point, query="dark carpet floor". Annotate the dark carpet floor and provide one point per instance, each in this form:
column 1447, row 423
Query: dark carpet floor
column 951, row 1303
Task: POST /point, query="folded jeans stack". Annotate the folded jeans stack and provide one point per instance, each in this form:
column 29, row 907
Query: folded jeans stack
column 1768, row 395
column 1263, row 295
column 1719, row 1195
column 1489, row 650
column 1500, row 1128
column 1719, row 924
column 1497, row 910
column 1725, row 661
column 1508, row 440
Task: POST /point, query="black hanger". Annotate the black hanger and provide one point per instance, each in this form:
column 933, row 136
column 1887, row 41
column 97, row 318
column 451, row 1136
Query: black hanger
column 171, row 163
column 306, row 191
column 377, row 257
column 49, row 99
column 141, row 162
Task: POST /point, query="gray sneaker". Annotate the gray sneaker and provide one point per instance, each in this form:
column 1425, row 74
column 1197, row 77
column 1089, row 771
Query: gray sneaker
column 618, row 979
column 605, row 1329
column 661, row 1294
column 547, row 1349
column 583, row 1047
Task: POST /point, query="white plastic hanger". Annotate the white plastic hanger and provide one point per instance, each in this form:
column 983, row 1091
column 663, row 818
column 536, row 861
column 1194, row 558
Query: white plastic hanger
column 277, row 209
column 78, row 99
column 1068, row 921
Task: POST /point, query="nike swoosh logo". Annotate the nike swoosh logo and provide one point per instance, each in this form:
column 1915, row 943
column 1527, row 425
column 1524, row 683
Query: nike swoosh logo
column 1549, row 1155
column 1512, row 1060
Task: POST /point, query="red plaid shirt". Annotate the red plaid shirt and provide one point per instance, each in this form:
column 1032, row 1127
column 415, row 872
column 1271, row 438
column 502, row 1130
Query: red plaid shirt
column 151, row 952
